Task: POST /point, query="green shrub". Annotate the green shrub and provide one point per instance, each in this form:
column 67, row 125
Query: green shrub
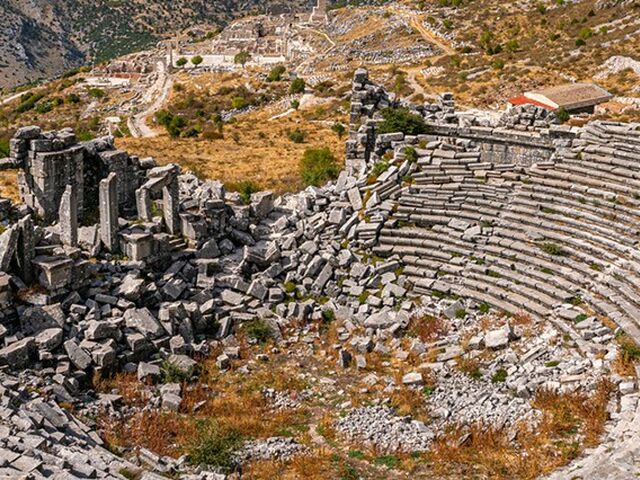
column 73, row 98
column 379, row 168
column 328, row 315
column 171, row 373
column 181, row 62
column 500, row 376
column 562, row 115
column 197, row 60
column 401, row 120
column 339, row 129
column 4, row 148
column 581, row 317
column 275, row 75
column 259, row 330
column 295, row 104
column 297, row 86
column 389, row 461
column 410, row 154
column 551, row 248
column 297, row 135
column 28, row 101
column 484, row 308
column 96, row 93
column 214, row 447
column 238, row 103
column 245, row 188
column 318, row 166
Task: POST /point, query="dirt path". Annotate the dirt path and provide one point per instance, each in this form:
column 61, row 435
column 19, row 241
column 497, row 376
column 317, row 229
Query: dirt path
column 154, row 98
column 11, row 98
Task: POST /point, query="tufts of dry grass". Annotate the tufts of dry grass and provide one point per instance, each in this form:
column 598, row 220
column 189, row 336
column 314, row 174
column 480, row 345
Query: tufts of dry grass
column 428, row 328
column 9, row 186
column 570, row 422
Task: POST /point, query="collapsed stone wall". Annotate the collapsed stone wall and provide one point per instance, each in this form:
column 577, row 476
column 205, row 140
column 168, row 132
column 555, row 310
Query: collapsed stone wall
column 50, row 161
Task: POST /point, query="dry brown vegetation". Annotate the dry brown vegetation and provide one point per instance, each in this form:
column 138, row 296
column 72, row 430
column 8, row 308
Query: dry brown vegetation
column 487, row 453
column 263, row 152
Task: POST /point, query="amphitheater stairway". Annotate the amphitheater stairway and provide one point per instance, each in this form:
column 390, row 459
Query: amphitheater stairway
column 526, row 240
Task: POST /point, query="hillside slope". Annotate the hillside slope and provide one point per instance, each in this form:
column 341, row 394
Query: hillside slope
column 40, row 40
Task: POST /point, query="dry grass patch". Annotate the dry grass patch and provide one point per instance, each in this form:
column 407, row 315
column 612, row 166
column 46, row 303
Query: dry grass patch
column 428, row 328
column 570, row 422
column 9, row 185
column 263, row 153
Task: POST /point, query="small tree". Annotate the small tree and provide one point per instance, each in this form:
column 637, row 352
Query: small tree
column 197, row 60
column 318, row 166
column 295, row 104
column 297, row 86
column 181, row 62
column 242, row 58
column 339, row 129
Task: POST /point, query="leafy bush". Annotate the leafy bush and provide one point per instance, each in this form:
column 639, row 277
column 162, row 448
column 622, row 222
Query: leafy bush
column 339, row 129
column 410, row 154
column 297, row 135
column 238, row 103
column 245, row 188
column 4, row 148
column 197, row 60
column 181, row 62
column 295, row 104
column 500, row 376
column 562, row 115
column 259, row 331
column 379, row 168
column 551, row 248
column 214, row 447
column 275, row 75
column 318, row 166
column 28, row 101
column 297, row 86
column 73, row 98
column 96, row 93
column 401, row 120
column 171, row 373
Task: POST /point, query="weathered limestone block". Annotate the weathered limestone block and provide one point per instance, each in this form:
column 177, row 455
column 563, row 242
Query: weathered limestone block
column 68, row 217
column 56, row 272
column 108, row 196
column 138, row 246
column 171, row 207
column 8, row 246
column 143, row 204
column 26, row 249
column 18, row 354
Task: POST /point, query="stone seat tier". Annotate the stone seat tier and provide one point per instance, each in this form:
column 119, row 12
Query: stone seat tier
column 597, row 213
column 520, row 283
column 582, row 183
column 567, row 235
column 595, row 170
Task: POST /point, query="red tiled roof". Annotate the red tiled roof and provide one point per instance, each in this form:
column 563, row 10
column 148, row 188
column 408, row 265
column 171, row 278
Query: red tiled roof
column 522, row 100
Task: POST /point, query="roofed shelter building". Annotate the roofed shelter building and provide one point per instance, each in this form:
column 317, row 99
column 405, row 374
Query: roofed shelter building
column 572, row 97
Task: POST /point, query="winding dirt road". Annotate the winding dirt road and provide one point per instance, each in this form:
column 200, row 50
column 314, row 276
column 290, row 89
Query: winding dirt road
column 154, row 98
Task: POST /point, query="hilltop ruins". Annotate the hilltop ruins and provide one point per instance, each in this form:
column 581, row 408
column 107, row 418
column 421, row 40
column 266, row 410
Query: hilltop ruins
column 113, row 262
